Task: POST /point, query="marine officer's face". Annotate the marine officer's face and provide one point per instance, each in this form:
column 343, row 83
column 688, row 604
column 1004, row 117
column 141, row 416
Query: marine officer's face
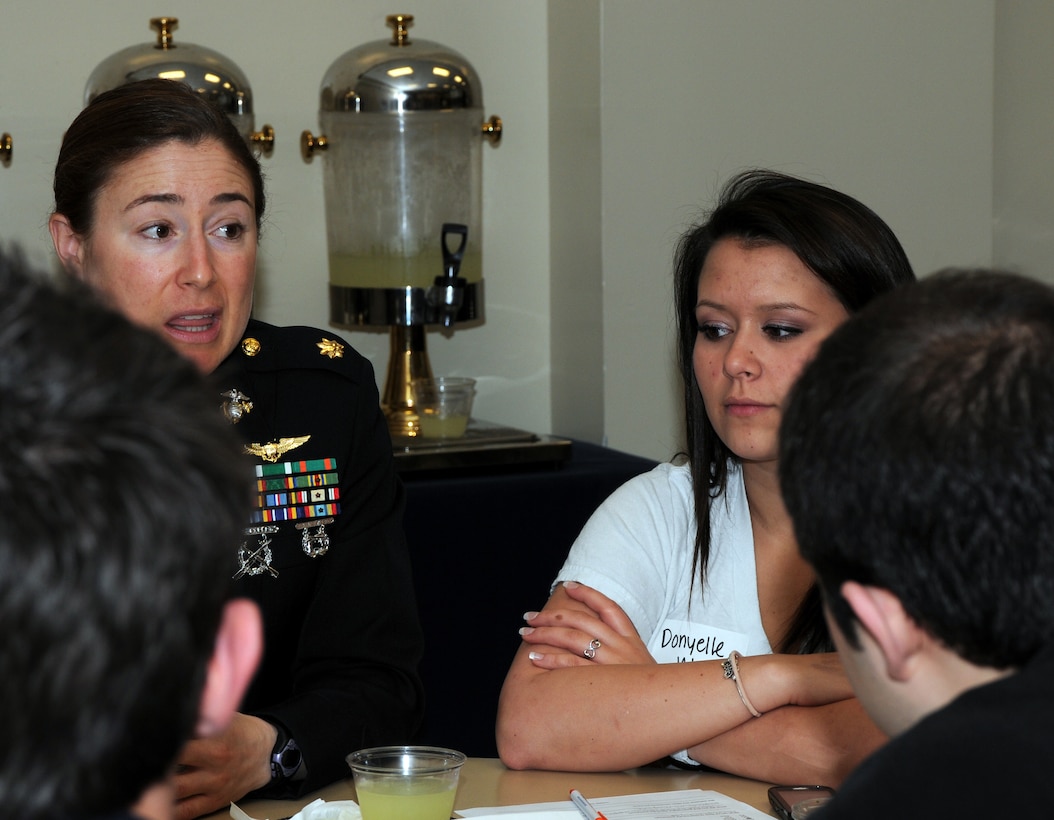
column 173, row 247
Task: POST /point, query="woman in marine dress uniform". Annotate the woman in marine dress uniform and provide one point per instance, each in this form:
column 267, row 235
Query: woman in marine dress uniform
column 158, row 206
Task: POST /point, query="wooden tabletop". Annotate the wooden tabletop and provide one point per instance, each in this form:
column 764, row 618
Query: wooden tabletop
column 486, row 782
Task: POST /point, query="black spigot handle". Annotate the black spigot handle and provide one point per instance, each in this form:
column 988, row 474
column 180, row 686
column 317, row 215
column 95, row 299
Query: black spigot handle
column 447, row 294
column 452, row 258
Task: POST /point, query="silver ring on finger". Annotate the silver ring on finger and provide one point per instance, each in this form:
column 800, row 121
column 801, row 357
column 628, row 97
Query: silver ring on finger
column 590, row 651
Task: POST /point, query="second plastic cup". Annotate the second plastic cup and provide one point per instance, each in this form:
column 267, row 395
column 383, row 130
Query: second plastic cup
column 406, row 782
column 443, row 405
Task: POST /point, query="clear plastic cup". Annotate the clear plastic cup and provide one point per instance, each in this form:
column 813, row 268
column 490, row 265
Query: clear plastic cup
column 406, row 782
column 443, row 405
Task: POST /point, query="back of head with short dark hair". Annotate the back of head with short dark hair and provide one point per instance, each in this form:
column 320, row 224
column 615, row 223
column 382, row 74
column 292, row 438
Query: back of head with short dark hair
column 122, row 497
column 917, row 455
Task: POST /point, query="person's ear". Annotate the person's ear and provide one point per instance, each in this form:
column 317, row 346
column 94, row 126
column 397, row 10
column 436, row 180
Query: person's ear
column 893, row 631
column 68, row 244
column 239, row 645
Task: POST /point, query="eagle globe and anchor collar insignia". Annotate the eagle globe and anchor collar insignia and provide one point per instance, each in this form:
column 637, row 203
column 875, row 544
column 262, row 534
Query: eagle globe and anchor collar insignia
column 237, row 404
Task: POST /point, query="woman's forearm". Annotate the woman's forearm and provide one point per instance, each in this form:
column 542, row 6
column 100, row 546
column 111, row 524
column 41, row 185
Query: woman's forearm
column 563, row 708
column 794, row 744
column 608, row 718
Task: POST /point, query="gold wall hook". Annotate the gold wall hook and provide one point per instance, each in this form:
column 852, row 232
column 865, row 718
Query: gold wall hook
column 309, row 143
column 492, row 130
column 6, row 147
column 264, row 139
column 165, row 26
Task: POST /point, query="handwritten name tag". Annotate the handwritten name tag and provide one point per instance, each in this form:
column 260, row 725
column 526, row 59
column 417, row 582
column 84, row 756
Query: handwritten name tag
column 683, row 642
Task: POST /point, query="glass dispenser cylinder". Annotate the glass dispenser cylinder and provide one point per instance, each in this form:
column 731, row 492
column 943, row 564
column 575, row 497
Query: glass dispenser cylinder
column 403, row 121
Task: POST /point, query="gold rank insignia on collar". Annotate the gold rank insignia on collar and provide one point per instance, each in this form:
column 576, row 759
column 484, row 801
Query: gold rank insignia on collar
column 274, row 450
column 331, row 348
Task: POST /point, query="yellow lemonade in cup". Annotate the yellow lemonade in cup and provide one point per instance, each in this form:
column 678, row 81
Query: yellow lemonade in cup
column 443, row 405
column 406, row 782
column 434, row 425
column 406, row 801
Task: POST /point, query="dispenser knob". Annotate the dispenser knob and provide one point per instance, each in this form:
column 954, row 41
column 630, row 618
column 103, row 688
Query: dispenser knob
column 265, row 139
column 165, row 26
column 6, row 146
column 309, row 143
column 492, row 130
column 400, row 24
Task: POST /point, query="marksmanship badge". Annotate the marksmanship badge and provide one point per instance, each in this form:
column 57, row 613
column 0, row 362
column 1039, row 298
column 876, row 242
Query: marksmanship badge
column 258, row 560
column 314, row 540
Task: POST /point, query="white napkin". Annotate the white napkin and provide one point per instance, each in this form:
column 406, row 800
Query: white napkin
column 319, row 810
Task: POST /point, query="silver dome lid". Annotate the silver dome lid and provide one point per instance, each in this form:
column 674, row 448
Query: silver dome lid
column 400, row 74
column 208, row 72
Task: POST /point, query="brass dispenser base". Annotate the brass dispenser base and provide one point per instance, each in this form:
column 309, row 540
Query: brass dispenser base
column 407, row 360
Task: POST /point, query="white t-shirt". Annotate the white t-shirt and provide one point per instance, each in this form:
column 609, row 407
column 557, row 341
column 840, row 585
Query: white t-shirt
column 637, row 549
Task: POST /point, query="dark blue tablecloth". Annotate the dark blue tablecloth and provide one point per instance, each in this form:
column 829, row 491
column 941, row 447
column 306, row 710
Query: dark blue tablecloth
column 485, row 548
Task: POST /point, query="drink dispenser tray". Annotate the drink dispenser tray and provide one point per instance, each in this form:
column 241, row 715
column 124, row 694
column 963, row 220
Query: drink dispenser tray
column 484, row 445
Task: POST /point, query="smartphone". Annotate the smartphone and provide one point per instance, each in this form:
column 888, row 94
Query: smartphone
column 785, row 798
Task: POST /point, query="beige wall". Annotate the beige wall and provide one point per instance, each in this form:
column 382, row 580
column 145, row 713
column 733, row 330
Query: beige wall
column 622, row 119
column 1024, row 155
column 888, row 100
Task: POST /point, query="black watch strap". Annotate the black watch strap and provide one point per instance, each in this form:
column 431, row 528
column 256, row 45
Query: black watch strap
column 285, row 757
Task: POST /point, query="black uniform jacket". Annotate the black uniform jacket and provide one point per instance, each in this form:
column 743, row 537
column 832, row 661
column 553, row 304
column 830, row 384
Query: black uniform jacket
column 342, row 636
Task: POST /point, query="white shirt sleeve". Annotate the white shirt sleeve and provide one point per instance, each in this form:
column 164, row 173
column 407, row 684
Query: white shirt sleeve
column 627, row 548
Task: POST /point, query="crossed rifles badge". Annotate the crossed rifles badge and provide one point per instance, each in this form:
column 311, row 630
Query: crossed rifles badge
column 256, row 561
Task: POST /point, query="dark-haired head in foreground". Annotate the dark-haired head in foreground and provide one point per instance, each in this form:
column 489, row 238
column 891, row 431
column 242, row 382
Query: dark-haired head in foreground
column 917, row 462
column 122, row 500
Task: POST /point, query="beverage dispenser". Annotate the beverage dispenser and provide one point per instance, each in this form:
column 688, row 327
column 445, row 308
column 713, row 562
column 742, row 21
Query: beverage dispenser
column 402, row 128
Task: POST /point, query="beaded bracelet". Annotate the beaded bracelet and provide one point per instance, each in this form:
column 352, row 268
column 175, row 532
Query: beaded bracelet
column 731, row 667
